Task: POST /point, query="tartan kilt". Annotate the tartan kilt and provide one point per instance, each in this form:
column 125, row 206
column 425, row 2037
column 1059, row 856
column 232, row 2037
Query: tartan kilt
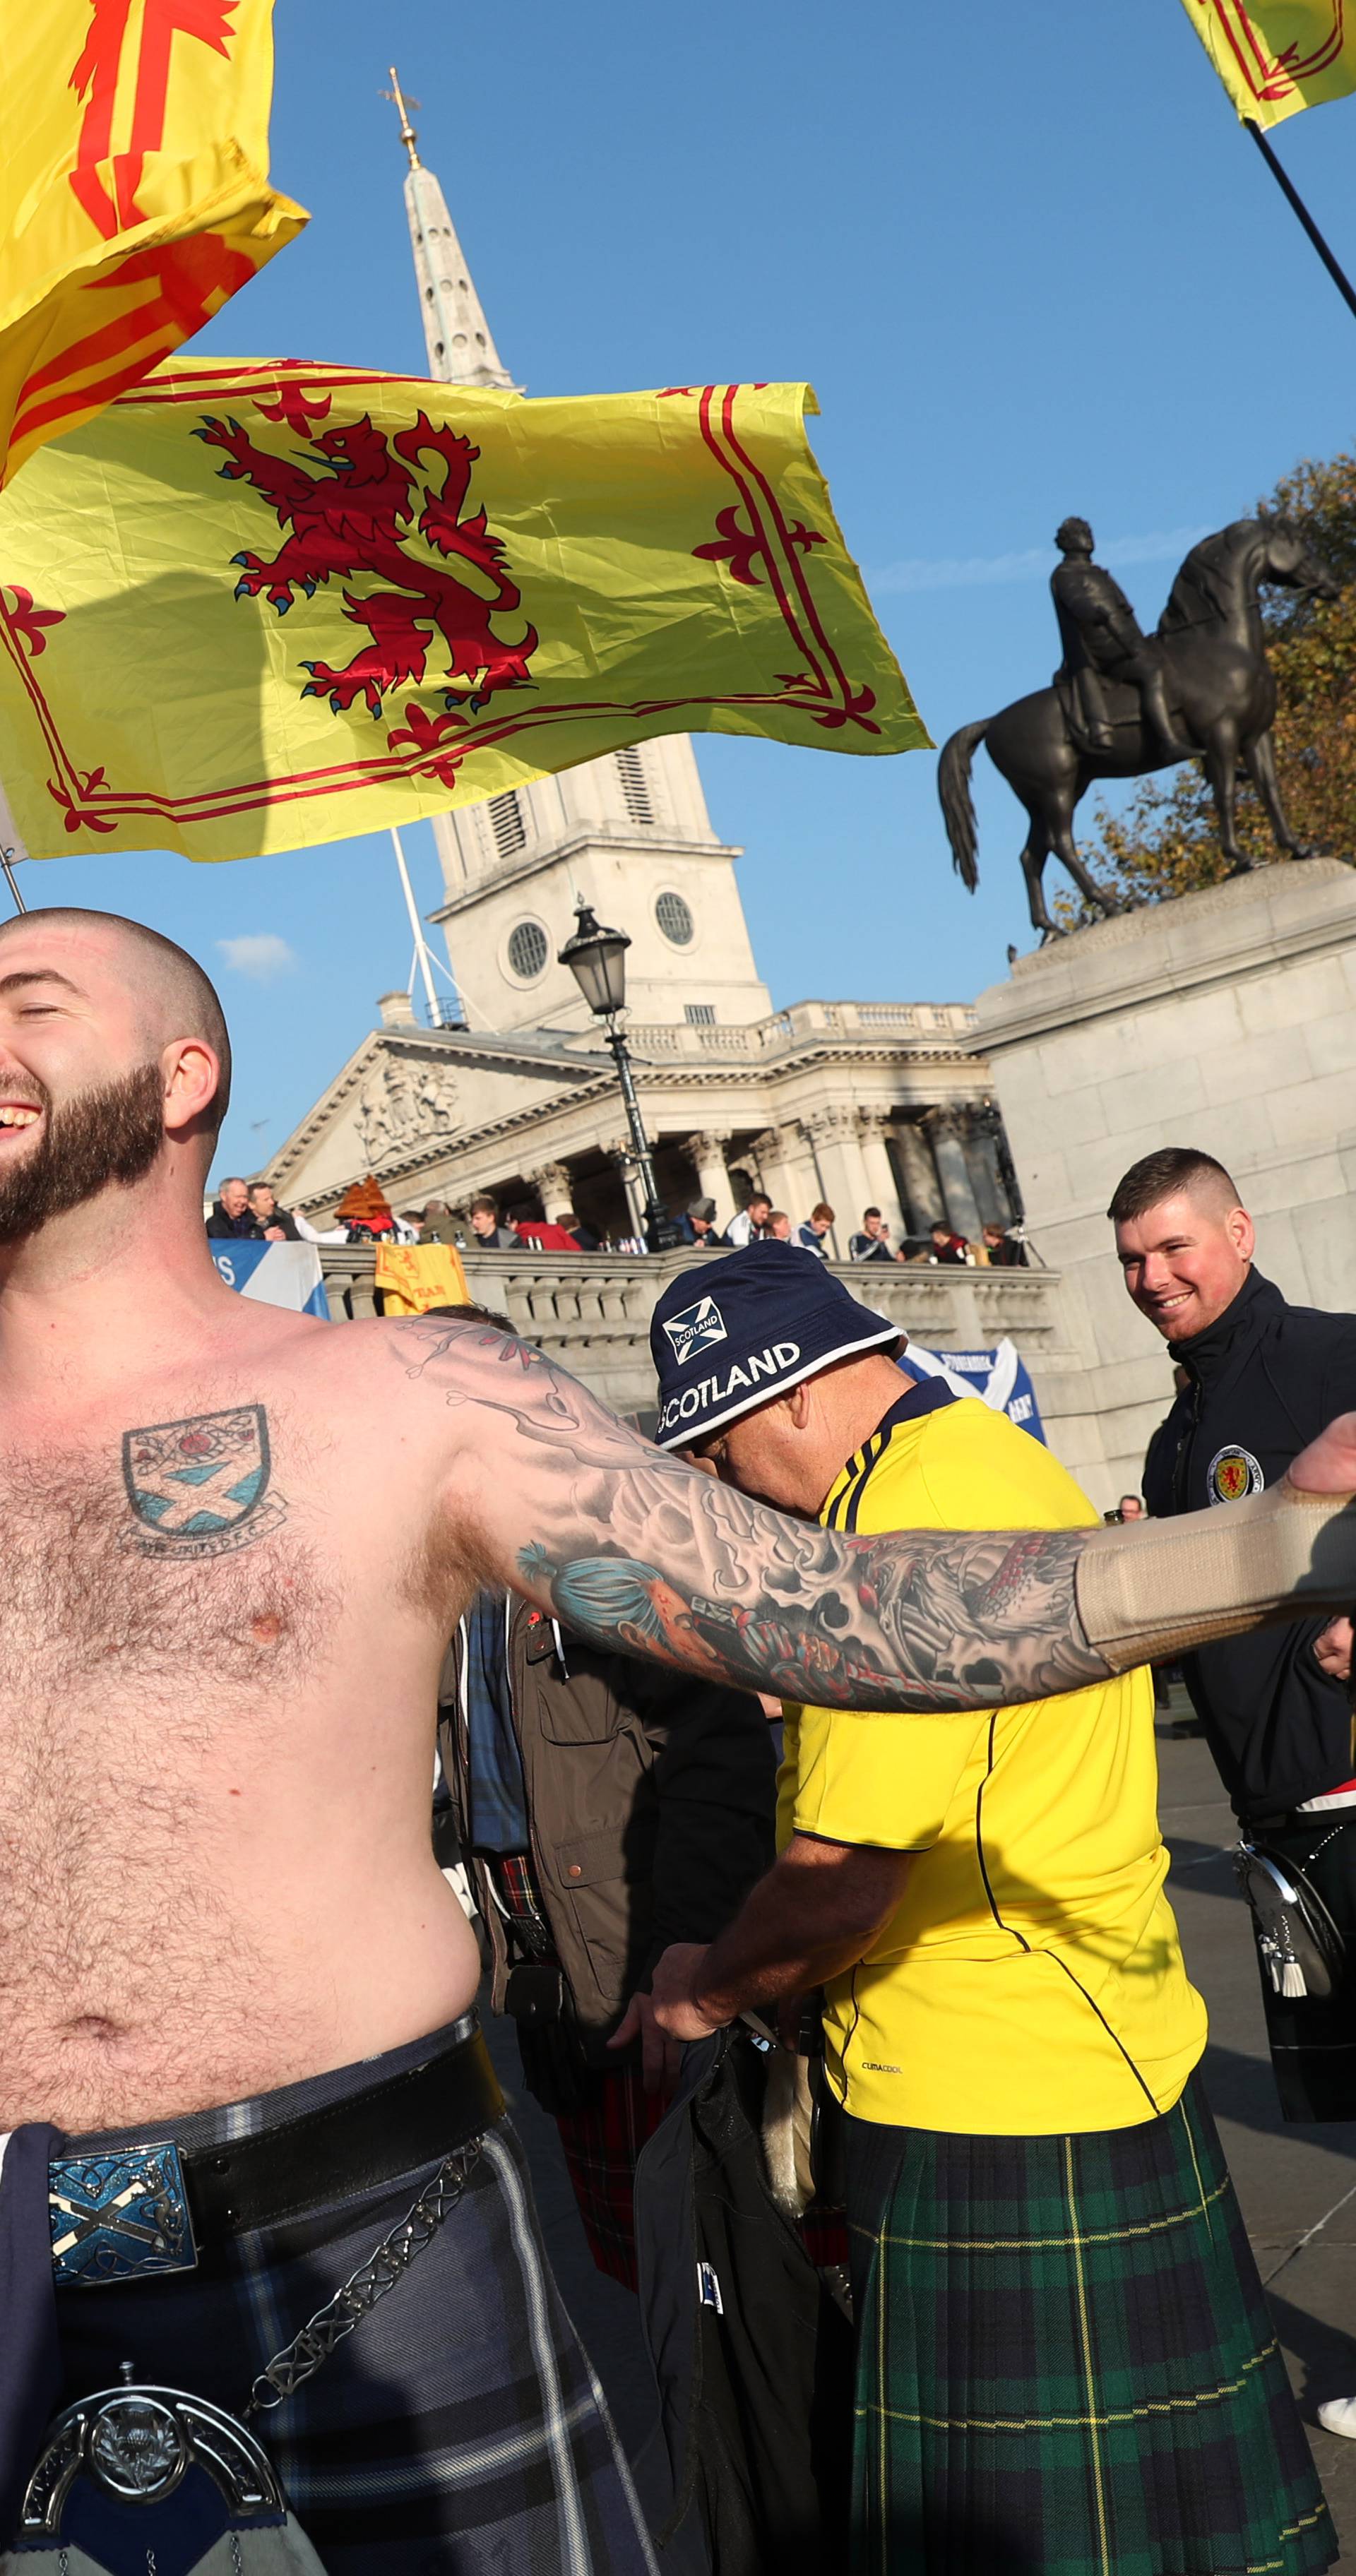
column 600, row 2142
column 1066, row 2366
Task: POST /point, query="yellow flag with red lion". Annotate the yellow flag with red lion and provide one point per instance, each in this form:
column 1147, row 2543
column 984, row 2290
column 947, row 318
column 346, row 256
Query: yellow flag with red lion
column 256, row 605
column 134, row 193
column 1278, row 56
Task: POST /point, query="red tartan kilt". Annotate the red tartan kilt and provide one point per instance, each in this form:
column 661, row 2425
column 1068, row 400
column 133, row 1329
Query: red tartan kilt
column 601, row 2144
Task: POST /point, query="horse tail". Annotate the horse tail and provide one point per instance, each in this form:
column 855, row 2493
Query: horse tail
column 953, row 787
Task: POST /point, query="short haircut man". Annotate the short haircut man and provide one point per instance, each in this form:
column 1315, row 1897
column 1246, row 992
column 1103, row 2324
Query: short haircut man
column 1255, row 1373
column 1007, row 2013
column 810, row 1236
column 873, row 1242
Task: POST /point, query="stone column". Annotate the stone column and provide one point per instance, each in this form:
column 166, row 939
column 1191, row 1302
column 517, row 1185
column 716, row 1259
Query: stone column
column 961, row 1212
column 554, row 1187
column 713, row 1180
column 769, row 1153
column 802, row 1175
column 871, row 1125
column 838, row 1151
column 920, row 1176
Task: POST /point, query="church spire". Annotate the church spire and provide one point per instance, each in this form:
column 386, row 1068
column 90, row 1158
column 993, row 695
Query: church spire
column 461, row 348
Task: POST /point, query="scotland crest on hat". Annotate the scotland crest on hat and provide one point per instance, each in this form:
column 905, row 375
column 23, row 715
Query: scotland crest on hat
column 696, row 1328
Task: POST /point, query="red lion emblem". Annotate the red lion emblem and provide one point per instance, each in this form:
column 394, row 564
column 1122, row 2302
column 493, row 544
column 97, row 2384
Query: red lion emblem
column 353, row 514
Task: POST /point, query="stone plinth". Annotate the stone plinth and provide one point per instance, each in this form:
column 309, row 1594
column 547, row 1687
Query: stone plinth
column 1227, row 1020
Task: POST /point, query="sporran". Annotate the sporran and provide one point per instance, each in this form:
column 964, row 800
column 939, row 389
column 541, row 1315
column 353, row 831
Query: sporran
column 1300, row 1947
column 141, row 2480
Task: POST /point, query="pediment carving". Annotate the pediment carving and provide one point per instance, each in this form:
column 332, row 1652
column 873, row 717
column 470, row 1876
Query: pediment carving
column 404, row 1103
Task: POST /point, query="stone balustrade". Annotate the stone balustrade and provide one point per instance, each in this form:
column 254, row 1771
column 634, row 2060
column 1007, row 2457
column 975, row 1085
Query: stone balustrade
column 949, row 1024
column 591, row 1310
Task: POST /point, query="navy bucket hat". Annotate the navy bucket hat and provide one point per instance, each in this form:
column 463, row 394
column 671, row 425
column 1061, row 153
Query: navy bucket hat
column 728, row 1336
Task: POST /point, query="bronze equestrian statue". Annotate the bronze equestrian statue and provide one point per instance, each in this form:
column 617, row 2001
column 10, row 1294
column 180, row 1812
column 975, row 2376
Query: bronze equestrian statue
column 1123, row 703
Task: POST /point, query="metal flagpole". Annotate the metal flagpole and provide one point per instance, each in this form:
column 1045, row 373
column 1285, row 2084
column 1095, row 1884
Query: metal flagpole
column 7, row 863
column 1288, row 190
column 416, row 925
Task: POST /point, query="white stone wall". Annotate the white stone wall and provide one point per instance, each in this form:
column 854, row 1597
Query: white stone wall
column 1226, row 1020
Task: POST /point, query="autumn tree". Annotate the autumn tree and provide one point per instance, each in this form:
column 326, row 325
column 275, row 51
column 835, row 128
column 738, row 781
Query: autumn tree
column 1166, row 841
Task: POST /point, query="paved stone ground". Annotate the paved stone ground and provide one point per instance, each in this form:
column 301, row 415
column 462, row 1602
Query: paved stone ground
column 1297, row 2184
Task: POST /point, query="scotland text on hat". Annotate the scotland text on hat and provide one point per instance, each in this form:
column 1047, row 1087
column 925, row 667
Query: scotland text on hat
column 707, row 1395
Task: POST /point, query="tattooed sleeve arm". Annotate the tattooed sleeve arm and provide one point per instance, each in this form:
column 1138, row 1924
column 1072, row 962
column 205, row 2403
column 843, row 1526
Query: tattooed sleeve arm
column 547, row 1491
column 637, row 1550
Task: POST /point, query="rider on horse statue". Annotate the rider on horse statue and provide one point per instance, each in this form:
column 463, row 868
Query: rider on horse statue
column 1103, row 640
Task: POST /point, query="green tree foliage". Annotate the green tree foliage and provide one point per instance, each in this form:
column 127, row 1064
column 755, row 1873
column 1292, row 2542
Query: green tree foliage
column 1165, row 842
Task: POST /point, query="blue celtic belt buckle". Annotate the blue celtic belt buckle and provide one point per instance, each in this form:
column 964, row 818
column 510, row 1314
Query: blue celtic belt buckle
column 119, row 2217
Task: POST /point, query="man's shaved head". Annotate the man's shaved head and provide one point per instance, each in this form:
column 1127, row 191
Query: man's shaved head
column 175, row 998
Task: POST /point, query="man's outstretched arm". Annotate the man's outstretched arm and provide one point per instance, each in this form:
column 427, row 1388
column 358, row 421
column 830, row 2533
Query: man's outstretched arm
column 630, row 1547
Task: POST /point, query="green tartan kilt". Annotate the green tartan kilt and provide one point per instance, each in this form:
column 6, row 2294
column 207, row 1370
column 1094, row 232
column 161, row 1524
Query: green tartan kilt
column 1065, row 2364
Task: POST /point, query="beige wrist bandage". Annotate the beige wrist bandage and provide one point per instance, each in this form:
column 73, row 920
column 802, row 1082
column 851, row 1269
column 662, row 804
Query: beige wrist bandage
column 1159, row 1588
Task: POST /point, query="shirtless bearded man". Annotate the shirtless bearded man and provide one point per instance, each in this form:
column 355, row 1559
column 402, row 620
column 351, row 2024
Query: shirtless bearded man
column 237, row 1544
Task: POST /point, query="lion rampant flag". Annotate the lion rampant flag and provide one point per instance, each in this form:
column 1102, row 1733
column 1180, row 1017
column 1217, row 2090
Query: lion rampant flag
column 257, row 605
column 1278, row 56
column 134, row 194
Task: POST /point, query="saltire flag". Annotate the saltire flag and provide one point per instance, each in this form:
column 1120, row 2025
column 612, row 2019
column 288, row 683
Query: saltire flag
column 999, row 1377
column 257, row 604
column 1278, row 56
column 134, row 193
column 277, row 1274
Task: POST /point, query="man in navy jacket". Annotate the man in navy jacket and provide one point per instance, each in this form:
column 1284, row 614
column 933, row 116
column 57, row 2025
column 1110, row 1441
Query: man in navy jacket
column 1261, row 1376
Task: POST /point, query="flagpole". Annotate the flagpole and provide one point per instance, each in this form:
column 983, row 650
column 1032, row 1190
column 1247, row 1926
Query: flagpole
column 416, row 925
column 1288, row 190
column 7, row 863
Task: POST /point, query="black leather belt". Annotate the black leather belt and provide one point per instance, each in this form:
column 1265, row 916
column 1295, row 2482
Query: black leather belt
column 322, row 2156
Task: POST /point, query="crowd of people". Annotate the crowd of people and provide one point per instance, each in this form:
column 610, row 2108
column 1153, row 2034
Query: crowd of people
column 249, row 1210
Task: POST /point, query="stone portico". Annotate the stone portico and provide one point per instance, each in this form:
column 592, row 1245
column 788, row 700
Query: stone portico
column 859, row 1103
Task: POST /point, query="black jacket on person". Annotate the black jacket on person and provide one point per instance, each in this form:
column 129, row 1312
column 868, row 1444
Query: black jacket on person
column 244, row 1228
column 1265, row 1378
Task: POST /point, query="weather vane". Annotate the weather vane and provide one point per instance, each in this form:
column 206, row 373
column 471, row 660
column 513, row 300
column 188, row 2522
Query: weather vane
column 398, row 99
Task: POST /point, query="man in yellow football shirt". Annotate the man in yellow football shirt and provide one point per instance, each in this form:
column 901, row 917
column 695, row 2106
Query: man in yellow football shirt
column 1064, row 2361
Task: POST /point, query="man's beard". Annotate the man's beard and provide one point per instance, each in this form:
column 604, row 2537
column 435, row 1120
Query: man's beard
column 112, row 1134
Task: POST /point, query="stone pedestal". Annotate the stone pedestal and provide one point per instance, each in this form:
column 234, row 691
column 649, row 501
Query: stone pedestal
column 1226, row 1020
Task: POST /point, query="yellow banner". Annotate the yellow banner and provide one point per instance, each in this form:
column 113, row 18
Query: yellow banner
column 256, row 605
column 134, row 194
column 414, row 1276
column 1277, row 56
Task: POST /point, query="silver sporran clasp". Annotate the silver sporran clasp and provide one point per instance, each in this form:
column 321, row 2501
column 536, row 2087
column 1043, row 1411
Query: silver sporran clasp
column 205, row 2486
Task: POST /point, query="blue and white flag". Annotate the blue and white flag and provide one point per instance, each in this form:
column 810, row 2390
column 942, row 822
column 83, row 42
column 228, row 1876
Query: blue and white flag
column 998, row 1377
column 278, row 1274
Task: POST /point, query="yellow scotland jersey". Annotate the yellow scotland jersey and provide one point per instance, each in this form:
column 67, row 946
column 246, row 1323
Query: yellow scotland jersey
column 1031, row 1982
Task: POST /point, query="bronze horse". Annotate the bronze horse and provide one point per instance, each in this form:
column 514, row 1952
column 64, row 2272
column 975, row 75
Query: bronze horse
column 1221, row 689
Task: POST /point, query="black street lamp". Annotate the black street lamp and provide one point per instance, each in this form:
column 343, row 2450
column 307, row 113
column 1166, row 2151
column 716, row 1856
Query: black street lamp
column 597, row 960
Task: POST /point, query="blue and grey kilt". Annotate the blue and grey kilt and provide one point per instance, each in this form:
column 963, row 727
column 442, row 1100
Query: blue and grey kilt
column 1065, row 2364
column 459, row 2431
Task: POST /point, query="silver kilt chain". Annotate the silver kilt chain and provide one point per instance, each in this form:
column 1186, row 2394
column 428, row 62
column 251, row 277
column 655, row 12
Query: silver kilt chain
column 302, row 2357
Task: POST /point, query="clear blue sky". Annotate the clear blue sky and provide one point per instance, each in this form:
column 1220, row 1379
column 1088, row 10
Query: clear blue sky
column 1028, row 259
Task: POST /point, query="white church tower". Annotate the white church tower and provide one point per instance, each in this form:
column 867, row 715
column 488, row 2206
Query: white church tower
column 630, row 832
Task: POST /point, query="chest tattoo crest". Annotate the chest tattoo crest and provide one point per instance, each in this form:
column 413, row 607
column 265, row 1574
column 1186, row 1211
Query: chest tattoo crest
column 201, row 1487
